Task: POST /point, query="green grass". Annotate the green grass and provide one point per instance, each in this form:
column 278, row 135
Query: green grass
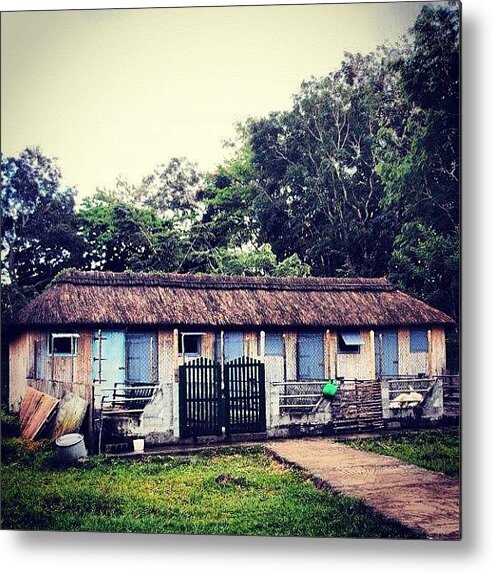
column 435, row 449
column 234, row 492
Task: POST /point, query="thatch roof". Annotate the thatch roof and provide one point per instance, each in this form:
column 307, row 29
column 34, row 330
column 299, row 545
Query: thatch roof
column 104, row 298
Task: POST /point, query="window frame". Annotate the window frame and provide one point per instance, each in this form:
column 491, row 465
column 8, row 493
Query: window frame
column 413, row 343
column 60, row 335
column 130, row 337
column 181, row 341
column 303, row 337
column 348, row 349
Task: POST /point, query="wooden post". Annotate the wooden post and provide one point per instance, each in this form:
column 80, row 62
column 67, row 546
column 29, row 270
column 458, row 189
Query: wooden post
column 327, row 352
column 52, row 352
column 372, row 357
column 284, row 365
column 175, row 353
column 336, row 353
column 262, row 346
column 222, row 359
column 72, row 362
column 430, row 355
column 380, row 354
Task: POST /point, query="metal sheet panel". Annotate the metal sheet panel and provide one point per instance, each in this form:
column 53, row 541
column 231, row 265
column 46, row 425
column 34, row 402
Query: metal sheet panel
column 352, row 338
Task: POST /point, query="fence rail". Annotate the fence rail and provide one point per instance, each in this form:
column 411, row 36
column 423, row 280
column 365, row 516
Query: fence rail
column 451, row 385
column 405, row 385
column 298, row 396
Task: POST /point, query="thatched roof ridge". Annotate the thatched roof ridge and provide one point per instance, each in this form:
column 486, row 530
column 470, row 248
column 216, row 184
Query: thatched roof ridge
column 220, row 282
column 120, row 299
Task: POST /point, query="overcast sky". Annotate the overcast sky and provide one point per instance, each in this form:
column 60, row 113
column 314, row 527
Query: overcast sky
column 112, row 92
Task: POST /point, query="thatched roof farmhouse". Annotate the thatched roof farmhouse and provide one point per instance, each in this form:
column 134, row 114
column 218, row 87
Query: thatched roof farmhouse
column 170, row 357
column 98, row 298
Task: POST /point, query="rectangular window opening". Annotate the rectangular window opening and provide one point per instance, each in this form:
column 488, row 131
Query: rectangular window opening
column 418, row 340
column 63, row 345
column 349, row 342
column 189, row 344
column 274, row 344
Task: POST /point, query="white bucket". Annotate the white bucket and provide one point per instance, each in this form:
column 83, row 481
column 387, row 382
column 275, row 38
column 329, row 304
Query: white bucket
column 138, row 445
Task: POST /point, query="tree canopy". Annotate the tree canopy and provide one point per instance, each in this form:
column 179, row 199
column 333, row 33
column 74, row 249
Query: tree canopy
column 360, row 177
column 39, row 229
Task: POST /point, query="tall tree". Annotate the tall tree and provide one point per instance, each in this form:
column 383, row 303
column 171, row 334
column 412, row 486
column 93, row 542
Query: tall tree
column 260, row 261
column 319, row 190
column 420, row 167
column 171, row 189
column 39, row 228
column 227, row 196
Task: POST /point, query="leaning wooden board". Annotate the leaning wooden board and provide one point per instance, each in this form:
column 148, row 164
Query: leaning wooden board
column 36, row 410
column 70, row 415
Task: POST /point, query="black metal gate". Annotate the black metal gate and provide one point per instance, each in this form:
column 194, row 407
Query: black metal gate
column 244, row 393
column 212, row 397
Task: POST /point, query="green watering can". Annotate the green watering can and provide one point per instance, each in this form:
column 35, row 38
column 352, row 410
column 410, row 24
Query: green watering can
column 329, row 389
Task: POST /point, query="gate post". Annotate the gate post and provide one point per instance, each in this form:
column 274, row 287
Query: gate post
column 182, row 399
column 380, row 355
column 262, row 396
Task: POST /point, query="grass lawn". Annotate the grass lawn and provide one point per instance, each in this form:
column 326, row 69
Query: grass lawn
column 435, row 449
column 233, row 491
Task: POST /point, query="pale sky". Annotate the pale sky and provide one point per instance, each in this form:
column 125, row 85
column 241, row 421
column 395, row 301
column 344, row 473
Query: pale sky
column 115, row 92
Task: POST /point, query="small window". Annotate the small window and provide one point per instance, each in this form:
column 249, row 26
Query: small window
column 63, row 345
column 418, row 340
column 189, row 344
column 349, row 342
column 273, row 344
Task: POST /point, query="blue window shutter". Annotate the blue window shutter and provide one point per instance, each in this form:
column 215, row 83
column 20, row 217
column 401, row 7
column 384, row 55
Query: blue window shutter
column 311, row 355
column 233, row 345
column 273, row 344
column 418, row 339
column 141, row 357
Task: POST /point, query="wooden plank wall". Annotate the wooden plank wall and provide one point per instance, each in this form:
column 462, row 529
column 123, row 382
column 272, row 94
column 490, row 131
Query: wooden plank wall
column 438, row 357
column 356, row 366
column 18, row 366
column 250, row 345
column 410, row 363
column 208, row 340
column 290, row 345
column 165, row 358
column 62, row 374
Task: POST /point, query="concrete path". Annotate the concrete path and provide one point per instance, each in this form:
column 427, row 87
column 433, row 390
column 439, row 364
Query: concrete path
column 417, row 498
